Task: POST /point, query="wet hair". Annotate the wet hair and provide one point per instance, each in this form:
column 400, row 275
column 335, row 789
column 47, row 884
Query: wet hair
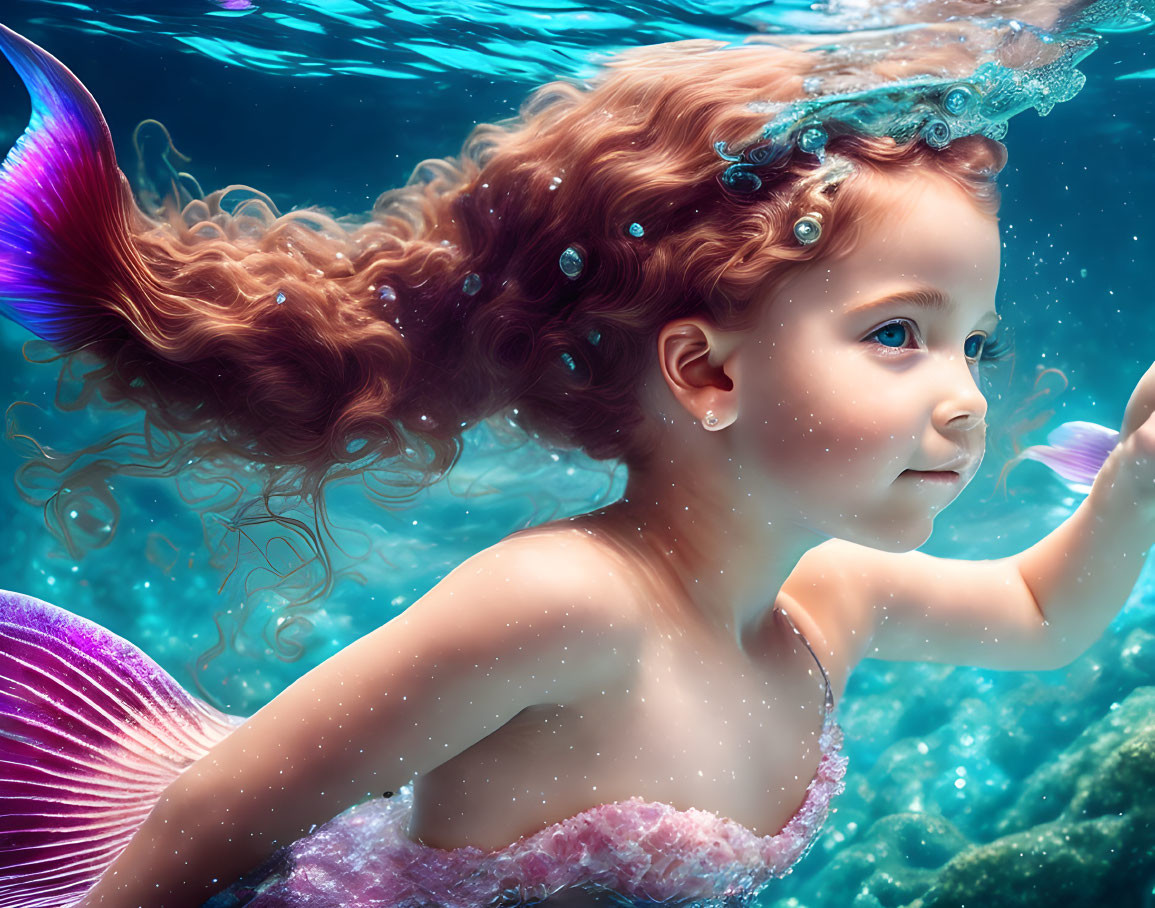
column 313, row 349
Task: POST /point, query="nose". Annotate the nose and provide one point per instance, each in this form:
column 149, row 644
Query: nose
column 961, row 406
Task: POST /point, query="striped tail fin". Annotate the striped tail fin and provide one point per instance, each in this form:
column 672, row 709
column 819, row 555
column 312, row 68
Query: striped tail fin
column 65, row 208
column 91, row 733
column 1077, row 452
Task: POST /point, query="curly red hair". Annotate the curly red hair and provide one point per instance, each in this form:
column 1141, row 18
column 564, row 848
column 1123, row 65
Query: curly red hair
column 316, row 349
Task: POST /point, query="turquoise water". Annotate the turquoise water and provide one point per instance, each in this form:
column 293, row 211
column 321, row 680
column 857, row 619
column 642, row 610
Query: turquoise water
column 329, row 103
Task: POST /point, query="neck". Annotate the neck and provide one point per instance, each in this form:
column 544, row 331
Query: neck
column 718, row 554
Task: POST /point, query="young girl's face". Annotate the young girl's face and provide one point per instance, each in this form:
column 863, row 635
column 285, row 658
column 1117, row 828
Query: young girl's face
column 848, row 383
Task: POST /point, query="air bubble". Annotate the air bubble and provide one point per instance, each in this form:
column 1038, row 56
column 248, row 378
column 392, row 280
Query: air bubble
column 571, row 262
column 807, row 230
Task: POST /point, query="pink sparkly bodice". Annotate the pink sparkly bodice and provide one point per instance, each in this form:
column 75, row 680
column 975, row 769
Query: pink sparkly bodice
column 640, row 849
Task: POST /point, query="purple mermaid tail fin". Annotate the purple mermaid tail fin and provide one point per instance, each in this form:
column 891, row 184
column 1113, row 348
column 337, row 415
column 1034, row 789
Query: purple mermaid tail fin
column 1077, row 451
column 65, row 209
column 91, row 733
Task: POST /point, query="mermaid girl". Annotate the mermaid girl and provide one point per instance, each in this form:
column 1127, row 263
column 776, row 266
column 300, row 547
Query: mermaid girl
column 764, row 277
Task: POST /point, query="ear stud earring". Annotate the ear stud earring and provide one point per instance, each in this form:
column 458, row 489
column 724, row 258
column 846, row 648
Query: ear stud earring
column 711, row 419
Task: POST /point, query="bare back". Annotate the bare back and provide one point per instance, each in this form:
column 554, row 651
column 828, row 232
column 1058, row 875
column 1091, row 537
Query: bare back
column 692, row 721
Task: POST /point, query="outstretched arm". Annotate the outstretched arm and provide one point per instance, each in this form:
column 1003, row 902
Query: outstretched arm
column 508, row 629
column 1082, row 573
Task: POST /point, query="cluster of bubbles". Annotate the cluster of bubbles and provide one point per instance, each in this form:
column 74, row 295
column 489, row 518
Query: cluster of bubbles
column 999, row 67
column 572, row 264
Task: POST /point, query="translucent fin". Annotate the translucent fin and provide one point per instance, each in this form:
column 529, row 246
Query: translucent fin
column 64, row 206
column 1077, row 451
column 91, row 733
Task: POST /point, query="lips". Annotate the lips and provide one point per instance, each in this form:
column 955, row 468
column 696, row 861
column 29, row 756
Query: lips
column 958, row 464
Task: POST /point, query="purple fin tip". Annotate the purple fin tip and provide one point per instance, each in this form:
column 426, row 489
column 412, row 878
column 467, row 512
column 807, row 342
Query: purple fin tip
column 56, row 186
column 1077, row 451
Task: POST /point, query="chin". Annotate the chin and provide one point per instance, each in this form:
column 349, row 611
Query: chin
column 879, row 525
column 912, row 539
column 895, row 537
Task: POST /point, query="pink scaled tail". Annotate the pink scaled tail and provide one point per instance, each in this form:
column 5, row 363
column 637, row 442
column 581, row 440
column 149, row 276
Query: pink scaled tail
column 92, row 731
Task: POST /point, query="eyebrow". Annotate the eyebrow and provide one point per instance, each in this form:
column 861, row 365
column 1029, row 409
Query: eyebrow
column 927, row 298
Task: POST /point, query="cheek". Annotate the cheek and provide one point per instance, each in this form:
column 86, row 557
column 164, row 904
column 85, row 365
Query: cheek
column 834, row 425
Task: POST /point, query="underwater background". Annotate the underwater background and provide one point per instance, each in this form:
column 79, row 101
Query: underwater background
column 965, row 787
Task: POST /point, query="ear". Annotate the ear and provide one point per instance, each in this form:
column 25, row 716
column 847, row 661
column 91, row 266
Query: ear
column 695, row 357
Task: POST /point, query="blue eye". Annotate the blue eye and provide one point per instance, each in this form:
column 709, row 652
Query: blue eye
column 979, row 348
column 893, row 334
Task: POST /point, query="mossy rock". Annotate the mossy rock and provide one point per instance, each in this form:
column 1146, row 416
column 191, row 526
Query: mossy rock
column 1065, row 780
column 1101, row 849
column 1075, row 865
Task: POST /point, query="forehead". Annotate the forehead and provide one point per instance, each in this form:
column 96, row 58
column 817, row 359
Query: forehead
column 917, row 230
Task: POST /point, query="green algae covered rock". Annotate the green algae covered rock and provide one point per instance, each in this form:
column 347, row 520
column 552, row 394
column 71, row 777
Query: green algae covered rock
column 1074, row 865
column 1101, row 848
column 1095, row 848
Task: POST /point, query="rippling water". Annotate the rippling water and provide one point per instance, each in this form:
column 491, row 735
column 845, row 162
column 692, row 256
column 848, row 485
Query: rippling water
column 329, row 103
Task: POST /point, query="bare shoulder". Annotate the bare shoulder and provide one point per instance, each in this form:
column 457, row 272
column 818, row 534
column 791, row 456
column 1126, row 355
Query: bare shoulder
column 522, row 623
column 536, row 619
column 565, row 564
column 829, row 606
column 551, row 585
